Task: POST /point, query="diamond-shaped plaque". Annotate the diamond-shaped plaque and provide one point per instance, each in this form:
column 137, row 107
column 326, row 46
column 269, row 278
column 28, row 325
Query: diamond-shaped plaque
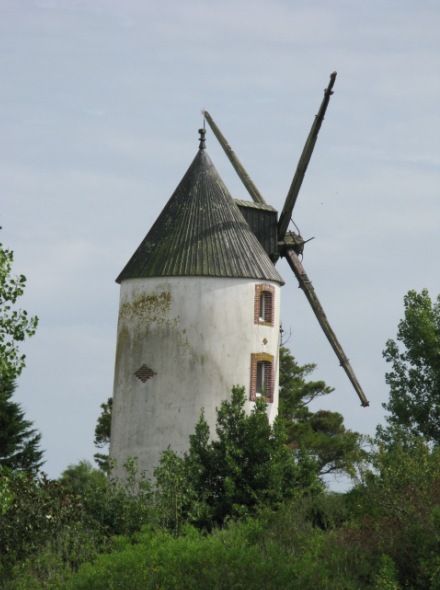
column 144, row 373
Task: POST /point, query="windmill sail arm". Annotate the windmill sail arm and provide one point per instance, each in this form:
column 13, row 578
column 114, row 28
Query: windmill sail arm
column 238, row 167
column 304, row 160
column 309, row 291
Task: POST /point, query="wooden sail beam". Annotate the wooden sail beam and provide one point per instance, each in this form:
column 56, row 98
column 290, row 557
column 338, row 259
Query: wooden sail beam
column 238, row 167
column 286, row 242
column 309, row 291
column 304, row 160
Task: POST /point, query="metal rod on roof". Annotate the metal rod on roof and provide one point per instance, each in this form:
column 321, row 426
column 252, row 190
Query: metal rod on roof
column 244, row 176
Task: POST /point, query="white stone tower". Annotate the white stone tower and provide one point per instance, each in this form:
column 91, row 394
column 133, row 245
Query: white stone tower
column 199, row 313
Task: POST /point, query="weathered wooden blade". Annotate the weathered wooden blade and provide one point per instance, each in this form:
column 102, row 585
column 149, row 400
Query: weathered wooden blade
column 244, row 176
column 304, row 160
column 307, row 287
column 288, row 251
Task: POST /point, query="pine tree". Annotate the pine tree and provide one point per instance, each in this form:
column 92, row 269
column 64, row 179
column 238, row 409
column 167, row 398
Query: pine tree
column 321, row 434
column 102, row 435
column 19, row 441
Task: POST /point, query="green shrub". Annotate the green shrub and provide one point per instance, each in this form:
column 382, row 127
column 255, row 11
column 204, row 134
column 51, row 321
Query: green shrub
column 49, row 528
column 54, row 563
column 223, row 560
column 36, row 510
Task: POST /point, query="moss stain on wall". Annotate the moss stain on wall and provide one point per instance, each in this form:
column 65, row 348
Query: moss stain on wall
column 149, row 308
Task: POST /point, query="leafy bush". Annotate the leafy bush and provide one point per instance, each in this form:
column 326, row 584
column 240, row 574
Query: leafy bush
column 244, row 555
column 52, row 565
column 222, row 560
column 35, row 509
column 246, row 467
column 48, row 528
column 396, row 510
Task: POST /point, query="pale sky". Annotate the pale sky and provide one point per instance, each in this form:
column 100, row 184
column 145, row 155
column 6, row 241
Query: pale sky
column 100, row 105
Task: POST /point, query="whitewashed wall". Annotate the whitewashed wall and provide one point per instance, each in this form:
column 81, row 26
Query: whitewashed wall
column 197, row 335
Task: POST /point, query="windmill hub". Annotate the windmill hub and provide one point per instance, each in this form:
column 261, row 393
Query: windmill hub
column 292, row 240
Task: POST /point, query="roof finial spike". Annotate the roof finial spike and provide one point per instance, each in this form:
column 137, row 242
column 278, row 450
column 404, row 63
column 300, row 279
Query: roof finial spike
column 202, row 145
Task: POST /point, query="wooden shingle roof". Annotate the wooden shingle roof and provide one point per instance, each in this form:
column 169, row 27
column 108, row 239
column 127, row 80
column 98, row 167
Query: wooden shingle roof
column 200, row 232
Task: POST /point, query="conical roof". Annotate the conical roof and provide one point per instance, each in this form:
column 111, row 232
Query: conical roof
column 200, row 232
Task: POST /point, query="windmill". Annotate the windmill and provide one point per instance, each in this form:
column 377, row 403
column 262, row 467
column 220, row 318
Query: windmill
column 199, row 308
column 290, row 244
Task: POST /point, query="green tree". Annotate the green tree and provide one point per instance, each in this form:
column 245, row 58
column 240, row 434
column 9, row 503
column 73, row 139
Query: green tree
column 396, row 510
column 321, row 434
column 110, row 507
column 19, row 441
column 79, row 479
column 15, row 324
column 246, row 467
column 36, row 510
column 414, row 378
column 102, row 435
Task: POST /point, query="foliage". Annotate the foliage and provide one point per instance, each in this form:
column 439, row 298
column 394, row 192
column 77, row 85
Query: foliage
column 321, row 434
column 414, row 378
column 311, row 530
column 245, row 554
column 396, row 510
column 108, row 506
column 15, row 324
column 386, row 576
column 295, row 391
column 283, row 549
column 245, row 467
column 58, row 556
column 102, row 435
column 19, row 442
column 34, row 509
column 224, row 560
column 385, row 533
column 50, row 527
column 174, row 492
column 243, row 510
column 276, row 550
column 82, row 478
